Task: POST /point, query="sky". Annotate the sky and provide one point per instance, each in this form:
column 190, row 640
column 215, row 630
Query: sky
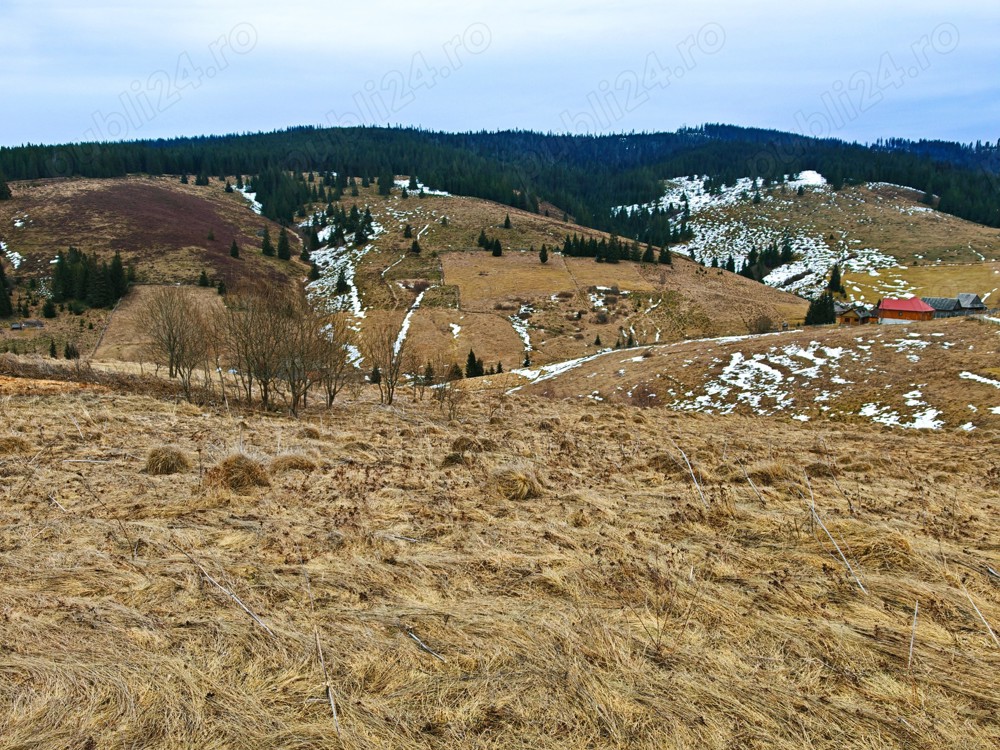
column 115, row 69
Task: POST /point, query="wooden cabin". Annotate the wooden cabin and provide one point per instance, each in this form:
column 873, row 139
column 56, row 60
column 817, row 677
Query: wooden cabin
column 892, row 311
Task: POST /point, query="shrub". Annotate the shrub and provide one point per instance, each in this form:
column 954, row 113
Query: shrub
column 291, row 462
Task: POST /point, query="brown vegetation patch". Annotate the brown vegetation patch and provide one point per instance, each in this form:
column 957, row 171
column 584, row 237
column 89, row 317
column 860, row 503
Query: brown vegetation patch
column 239, row 473
column 166, row 459
column 291, row 462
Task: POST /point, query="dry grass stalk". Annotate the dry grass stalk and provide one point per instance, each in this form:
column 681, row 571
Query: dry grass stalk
column 166, row 459
column 981, row 616
column 693, row 477
column 326, row 682
column 913, row 634
column 815, row 515
column 230, row 594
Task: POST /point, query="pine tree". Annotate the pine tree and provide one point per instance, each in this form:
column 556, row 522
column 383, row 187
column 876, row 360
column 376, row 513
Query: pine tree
column 835, row 284
column 407, row 231
column 597, row 340
column 428, row 376
column 543, row 254
column 234, row 250
column 52, row 349
column 497, row 248
column 314, row 273
column 648, row 256
column 265, row 244
column 415, row 247
column 221, row 288
column 5, row 194
column 455, row 373
column 472, row 365
column 6, row 308
column 821, row 311
column 506, row 222
column 375, row 376
column 119, row 279
column 483, row 240
column 229, row 187
column 49, row 308
column 203, row 279
column 284, row 249
column 665, row 257
column 499, row 369
column 342, row 287
column 413, row 185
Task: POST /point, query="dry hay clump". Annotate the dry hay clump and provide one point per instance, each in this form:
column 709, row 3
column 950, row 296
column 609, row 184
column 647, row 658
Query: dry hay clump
column 516, row 482
column 291, row 462
column 309, row 433
column 13, row 444
column 166, row 459
column 773, row 473
column 238, row 472
column 466, row 444
column 456, row 459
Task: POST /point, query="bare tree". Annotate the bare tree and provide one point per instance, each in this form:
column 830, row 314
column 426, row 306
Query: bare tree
column 260, row 322
column 335, row 365
column 383, row 347
column 180, row 333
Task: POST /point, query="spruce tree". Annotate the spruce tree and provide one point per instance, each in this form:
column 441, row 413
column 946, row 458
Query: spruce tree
column 543, row 254
column 49, row 308
column 407, row 231
column 234, row 250
column 415, row 248
column 597, row 340
column 4, row 189
column 52, row 349
column 648, row 256
column 665, row 257
column 342, row 287
column 265, row 244
column 835, row 284
column 455, row 373
column 203, row 279
column 119, row 279
column 483, row 240
column 284, row 249
column 221, row 288
column 314, row 272
column 506, row 222
column 471, row 365
column 497, row 248
column 375, row 376
column 6, row 308
column 499, row 369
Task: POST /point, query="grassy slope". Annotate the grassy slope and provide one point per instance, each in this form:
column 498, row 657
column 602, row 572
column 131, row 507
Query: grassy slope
column 875, row 365
column 613, row 610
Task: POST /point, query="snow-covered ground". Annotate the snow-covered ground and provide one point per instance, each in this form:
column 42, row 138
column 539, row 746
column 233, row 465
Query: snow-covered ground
column 405, row 328
column 252, row 198
column 521, row 327
column 405, row 183
column 719, row 238
column 15, row 258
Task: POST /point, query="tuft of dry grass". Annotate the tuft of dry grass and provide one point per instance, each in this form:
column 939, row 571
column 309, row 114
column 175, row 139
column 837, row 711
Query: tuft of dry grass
column 516, row 482
column 238, row 472
column 291, row 462
column 166, row 459
column 310, row 433
column 13, row 444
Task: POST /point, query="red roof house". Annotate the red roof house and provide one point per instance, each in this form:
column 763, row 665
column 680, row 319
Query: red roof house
column 904, row 310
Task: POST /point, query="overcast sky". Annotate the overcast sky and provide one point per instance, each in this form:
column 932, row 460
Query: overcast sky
column 113, row 69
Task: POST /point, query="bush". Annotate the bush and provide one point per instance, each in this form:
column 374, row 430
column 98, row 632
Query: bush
column 291, row 462
column 516, row 483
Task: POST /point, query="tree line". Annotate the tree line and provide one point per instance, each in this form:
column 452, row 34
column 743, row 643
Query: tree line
column 584, row 175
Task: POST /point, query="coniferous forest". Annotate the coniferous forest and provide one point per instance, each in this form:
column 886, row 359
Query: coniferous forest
column 585, row 176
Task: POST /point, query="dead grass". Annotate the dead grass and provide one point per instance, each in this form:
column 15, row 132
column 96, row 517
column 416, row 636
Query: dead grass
column 166, row 459
column 611, row 610
column 517, row 482
column 238, row 472
column 291, row 462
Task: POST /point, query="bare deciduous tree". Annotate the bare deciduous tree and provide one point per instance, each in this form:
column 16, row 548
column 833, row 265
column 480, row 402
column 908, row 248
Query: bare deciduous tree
column 180, row 333
column 383, row 348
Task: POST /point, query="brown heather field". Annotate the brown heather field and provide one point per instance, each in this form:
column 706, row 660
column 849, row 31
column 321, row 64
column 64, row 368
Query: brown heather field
column 156, row 223
column 534, row 574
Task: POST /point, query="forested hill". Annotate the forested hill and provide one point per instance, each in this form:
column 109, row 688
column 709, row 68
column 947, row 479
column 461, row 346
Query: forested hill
column 583, row 175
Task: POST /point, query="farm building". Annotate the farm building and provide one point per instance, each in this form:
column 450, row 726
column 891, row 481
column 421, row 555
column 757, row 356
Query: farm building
column 953, row 307
column 855, row 316
column 903, row 310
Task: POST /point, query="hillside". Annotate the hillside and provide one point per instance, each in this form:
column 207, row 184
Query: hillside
column 536, row 574
column 935, row 375
column 885, row 239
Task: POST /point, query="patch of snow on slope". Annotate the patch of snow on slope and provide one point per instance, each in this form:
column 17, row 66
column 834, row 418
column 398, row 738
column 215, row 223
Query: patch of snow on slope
column 252, row 197
column 979, row 379
column 405, row 328
column 405, row 183
column 15, row 258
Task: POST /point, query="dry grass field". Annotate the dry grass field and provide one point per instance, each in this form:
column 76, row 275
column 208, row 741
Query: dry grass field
column 534, row 574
